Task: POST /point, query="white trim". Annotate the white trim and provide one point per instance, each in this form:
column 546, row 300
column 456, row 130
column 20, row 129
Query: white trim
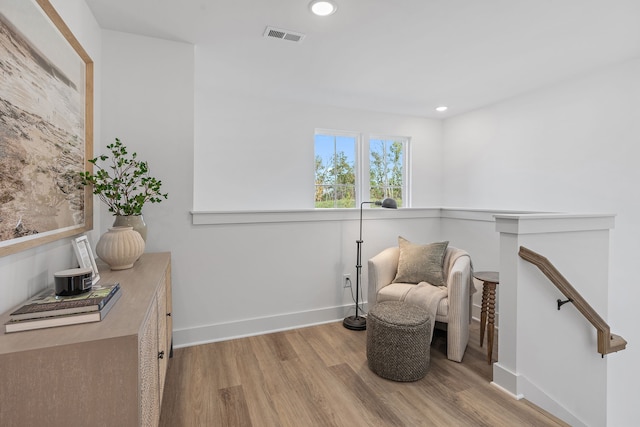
column 506, row 380
column 541, row 399
column 362, row 180
column 258, row 326
column 311, row 215
column 487, row 215
column 307, row 215
column 406, row 172
column 525, row 389
column 336, row 132
column 506, row 221
column 553, row 223
column 407, row 183
column 504, row 390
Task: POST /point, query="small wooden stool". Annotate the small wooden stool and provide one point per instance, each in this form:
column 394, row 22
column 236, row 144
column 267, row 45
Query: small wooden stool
column 488, row 313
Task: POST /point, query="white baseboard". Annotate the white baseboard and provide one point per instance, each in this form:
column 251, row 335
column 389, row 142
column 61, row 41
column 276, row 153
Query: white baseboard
column 506, row 380
column 520, row 387
column 262, row 325
column 258, row 326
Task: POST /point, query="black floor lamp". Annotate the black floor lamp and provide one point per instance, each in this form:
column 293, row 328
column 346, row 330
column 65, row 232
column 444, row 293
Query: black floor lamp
column 358, row 323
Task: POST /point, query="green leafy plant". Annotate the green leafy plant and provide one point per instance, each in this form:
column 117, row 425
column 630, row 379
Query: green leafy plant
column 123, row 184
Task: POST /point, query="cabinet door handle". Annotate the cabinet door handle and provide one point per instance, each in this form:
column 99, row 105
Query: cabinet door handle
column 161, row 355
column 169, row 314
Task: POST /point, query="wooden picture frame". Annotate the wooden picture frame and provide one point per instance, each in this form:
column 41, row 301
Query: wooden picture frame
column 46, row 106
column 85, row 257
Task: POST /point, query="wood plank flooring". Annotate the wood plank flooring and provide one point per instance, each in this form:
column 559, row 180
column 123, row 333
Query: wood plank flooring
column 318, row 376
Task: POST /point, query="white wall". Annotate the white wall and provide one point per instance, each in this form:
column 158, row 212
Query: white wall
column 258, row 154
column 255, row 153
column 572, row 147
column 546, row 355
column 237, row 279
column 148, row 104
column 25, row 273
column 475, row 232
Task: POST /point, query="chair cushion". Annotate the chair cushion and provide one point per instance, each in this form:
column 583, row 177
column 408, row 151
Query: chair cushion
column 399, row 292
column 395, row 292
column 421, row 263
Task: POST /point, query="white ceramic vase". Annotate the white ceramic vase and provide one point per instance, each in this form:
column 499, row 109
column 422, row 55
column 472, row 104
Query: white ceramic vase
column 120, row 247
column 135, row 221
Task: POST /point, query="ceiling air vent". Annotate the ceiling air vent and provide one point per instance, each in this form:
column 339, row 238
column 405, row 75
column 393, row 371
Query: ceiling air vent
column 279, row 33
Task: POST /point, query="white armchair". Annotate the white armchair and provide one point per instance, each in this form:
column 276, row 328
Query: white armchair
column 454, row 308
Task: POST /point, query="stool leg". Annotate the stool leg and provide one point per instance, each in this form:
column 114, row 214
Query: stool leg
column 483, row 311
column 491, row 308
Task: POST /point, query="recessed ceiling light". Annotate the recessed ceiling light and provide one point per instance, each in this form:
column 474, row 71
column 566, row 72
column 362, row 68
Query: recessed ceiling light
column 323, row 7
column 442, row 108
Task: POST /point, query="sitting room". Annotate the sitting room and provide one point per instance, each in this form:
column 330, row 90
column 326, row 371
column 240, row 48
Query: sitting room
column 274, row 131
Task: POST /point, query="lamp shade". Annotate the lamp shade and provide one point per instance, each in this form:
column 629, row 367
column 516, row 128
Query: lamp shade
column 389, row 203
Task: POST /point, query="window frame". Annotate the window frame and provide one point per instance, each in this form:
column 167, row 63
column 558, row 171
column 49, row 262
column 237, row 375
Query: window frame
column 362, row 163
column 406, row 171
column 357, row 136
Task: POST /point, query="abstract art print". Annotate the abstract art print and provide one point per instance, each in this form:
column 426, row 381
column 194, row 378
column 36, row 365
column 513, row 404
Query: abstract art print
column 46, row 117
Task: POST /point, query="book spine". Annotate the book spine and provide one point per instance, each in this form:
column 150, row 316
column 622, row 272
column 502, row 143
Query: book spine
column 32, row 311
column 50, row 322
column 106, row 299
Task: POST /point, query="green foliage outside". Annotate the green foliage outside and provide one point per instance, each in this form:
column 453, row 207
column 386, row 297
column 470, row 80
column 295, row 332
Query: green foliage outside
column 385, row 170
column 335, row 181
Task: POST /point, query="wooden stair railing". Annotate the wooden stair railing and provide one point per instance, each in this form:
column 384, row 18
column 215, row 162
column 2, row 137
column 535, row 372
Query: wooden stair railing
column 607, row 342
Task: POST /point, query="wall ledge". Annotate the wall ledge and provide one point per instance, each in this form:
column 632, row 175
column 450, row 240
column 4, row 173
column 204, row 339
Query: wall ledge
column 307, row 215
column 487, row 215
column 553, row 222
column 315, row 215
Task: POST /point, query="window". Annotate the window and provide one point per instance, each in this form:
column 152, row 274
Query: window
column 335, row 170
column 338, row 169
column 387, row 168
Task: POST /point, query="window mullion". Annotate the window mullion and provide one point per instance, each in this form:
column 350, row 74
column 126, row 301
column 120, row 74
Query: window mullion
column 362, row 167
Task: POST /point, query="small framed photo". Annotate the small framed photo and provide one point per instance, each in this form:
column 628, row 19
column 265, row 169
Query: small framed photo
column 85, row 256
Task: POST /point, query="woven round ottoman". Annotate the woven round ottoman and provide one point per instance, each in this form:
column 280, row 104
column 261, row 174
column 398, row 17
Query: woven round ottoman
column 398, row 341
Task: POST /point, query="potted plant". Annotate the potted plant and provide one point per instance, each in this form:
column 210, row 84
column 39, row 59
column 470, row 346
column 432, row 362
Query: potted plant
column 124, row 185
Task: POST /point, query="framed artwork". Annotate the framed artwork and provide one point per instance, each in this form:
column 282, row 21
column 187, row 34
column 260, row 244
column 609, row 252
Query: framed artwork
column 85, row 257
column 46, row 138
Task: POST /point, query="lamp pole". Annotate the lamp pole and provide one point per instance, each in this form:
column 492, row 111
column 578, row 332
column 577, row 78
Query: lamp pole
column 358, row 323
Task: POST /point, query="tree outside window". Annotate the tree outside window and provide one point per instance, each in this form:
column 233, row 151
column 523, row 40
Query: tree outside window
column 337, row 171
column 386, row 168
column 335, row 174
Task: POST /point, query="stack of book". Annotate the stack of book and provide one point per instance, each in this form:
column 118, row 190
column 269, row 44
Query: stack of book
column 46, row 309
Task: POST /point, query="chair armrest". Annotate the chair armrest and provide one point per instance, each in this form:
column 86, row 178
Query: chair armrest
column 382, row 270
column 458, row 288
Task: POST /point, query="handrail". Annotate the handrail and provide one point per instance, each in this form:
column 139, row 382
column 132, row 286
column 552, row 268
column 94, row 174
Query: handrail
column 607, row 342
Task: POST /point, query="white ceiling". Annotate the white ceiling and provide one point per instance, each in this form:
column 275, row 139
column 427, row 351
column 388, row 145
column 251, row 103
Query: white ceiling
column 399, row 56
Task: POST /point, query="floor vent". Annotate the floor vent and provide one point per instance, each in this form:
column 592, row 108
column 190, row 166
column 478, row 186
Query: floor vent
column 279, row 33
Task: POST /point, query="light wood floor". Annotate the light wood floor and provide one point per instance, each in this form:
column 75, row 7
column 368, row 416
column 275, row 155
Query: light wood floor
column 318, row 376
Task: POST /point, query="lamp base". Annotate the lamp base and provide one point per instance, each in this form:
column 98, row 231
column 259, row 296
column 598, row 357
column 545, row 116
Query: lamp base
column 355, row 323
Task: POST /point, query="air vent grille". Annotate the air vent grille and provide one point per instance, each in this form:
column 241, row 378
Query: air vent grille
column 279, row 33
